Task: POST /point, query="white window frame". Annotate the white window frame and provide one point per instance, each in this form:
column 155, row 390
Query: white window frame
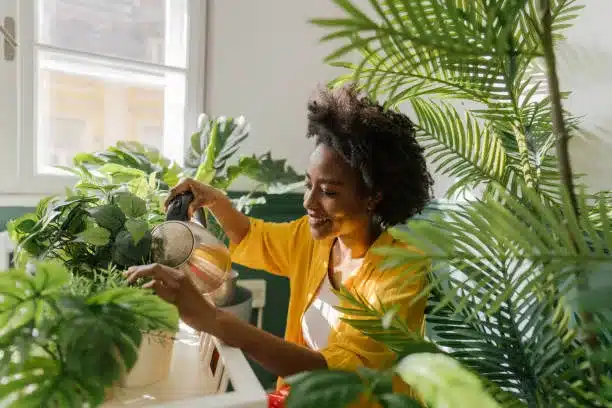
column 18, row 135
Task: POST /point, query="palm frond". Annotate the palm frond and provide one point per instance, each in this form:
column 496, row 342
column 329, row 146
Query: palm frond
column 463, row 149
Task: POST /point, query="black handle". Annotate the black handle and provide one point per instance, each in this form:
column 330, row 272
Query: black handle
column 178, row 209
column 179, row 206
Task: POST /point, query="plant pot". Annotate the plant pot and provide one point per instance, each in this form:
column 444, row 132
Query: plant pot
column 154, row 360
column 225, row 295
column 242, row 305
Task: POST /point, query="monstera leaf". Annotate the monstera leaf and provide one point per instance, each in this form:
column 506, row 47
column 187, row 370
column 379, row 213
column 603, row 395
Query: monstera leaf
column 59, row 349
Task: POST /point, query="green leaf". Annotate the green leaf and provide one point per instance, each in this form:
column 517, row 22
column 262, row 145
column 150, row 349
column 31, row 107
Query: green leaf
column 108, row 216
column 132, row 205
column 330, row 389
column 95, row 235
column 126, row 253
column 137, row 228
column 121, row 174
column 217, row 140
column 268, row 171
column 443, row 382
column 152, row 312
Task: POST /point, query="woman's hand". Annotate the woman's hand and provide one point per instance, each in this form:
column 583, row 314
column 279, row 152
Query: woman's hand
column 174, row 286
column 203, row 195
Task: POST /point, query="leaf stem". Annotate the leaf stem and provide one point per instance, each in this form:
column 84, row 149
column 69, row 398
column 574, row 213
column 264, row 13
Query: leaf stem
column 565, row 168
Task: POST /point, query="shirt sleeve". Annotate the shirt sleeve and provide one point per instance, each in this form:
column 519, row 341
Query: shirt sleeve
column 269, row 246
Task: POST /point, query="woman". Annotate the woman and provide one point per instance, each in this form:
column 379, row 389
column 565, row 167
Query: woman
column 366, row 173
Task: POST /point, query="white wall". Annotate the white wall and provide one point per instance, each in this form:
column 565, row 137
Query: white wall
column 264, row 59
column 585, row 64
column 263, row 62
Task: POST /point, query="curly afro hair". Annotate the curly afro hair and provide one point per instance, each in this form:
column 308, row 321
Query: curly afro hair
column 379, row 144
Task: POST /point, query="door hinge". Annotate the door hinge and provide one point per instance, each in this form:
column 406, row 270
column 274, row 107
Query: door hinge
column 10, row 43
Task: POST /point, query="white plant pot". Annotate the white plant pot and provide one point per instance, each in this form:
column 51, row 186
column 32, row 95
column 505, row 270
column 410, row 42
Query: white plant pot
column 154, row 360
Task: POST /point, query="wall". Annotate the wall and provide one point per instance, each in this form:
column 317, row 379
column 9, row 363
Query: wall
column 585, row 61
column 265, row 66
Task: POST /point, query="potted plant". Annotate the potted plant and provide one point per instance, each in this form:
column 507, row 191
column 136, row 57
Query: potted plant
column 64, row 343
column 520, row 270
column 99, row 228
column 102, row 224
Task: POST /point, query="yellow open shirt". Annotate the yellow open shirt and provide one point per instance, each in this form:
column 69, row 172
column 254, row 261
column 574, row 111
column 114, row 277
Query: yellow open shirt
column 288, row 249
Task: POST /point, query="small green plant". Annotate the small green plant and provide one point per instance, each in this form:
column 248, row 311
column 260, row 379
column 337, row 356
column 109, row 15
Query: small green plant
column 59, row 348
column 209, row 160
column 88, row 232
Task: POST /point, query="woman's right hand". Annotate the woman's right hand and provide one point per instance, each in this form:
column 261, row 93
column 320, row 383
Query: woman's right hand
column 203, row 195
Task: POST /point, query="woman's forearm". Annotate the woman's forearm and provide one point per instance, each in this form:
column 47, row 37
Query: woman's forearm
column 280, row 357
column 234, row 223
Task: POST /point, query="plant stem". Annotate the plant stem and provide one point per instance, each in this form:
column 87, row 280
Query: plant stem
column 558, row 122
column 560, row 131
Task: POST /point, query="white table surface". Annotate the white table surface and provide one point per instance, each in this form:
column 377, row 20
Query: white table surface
column 188, row 378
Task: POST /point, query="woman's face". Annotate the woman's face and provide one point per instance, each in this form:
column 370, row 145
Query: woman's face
column 335, row 204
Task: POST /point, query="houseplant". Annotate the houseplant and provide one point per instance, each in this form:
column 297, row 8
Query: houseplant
column 59, row 348
column 102, row 225
column 514, row 298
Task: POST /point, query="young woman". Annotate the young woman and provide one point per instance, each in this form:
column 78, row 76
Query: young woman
column 366, row 173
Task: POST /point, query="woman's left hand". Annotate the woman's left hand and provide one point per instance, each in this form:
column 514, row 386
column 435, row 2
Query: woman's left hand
column 174, row 286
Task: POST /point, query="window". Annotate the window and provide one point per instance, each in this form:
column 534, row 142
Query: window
column 89, row 73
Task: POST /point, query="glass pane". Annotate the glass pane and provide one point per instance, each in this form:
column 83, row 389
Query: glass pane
column 144, row 30
column 93, row 109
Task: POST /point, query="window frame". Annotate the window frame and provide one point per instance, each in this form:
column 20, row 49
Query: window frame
column 18, row 134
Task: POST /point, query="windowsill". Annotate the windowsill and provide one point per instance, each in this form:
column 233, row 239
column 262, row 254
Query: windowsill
column 20, row 200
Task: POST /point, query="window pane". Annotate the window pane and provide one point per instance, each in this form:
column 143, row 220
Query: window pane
column 88, row 111
column 144, row 30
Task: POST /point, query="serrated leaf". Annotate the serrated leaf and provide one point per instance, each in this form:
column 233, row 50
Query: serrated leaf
column 137, row 228
column 108, row 216
column 132, row 205
column 95, row 235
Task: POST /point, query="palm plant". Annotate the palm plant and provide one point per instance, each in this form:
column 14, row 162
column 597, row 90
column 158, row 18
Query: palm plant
column 512, row 292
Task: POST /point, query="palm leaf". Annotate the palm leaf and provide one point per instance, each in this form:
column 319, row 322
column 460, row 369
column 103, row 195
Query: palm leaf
column 462, row 149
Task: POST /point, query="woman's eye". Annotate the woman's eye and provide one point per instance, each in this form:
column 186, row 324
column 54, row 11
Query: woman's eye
column 329, row 193
column 308, row 185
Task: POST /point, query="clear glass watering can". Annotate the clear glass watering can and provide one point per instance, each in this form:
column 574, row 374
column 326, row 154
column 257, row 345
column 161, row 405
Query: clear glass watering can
column 185, row 244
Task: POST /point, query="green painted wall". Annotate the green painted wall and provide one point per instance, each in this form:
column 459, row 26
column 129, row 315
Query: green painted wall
column 278, row 208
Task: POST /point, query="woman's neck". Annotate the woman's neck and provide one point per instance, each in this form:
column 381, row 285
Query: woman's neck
column 356, row 245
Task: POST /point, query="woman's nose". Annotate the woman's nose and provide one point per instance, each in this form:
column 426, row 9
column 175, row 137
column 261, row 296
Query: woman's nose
column 309, row 202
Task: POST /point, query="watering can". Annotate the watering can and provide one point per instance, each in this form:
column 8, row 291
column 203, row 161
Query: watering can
column 185, row 244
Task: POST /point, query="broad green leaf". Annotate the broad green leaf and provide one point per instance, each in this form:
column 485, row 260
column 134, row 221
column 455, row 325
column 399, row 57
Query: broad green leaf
column 151, row 311
column 137, row 228
column 121, row 173
column 443, row 382
column 95, row 235
column 330, row 389
column 108, row 216
column 131, row 205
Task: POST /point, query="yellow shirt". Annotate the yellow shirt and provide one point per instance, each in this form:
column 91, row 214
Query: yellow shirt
column 288, row 249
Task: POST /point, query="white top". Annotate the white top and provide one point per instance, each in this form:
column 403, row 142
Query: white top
column 321, row 317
